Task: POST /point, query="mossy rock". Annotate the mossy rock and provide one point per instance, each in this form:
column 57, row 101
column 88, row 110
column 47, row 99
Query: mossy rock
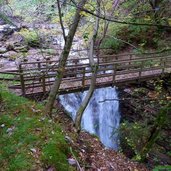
column 10, row 55
column 49, row 51
column 31, row 37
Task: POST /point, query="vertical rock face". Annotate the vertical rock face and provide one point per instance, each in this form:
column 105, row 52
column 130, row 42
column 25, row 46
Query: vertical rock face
column 100, row 117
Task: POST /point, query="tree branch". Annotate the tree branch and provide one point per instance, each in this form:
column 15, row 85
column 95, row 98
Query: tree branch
column 108, row 18
column 60, row 19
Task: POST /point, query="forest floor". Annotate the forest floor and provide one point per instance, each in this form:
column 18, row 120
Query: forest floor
column 92, row 155
column 31, row 141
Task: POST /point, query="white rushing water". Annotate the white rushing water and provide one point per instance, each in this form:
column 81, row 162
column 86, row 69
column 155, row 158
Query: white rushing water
column 100, row 118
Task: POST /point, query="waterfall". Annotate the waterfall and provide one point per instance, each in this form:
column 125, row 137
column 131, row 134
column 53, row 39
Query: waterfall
column 101, row 117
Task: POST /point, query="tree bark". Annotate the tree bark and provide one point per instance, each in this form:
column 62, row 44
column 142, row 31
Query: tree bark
column 60, row 19
column 94, row 67
column 63, row 58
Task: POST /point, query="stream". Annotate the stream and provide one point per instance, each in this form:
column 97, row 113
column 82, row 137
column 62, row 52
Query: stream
column 101, row 117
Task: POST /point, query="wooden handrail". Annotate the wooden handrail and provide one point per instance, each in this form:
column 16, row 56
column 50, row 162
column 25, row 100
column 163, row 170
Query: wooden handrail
column 40, row 74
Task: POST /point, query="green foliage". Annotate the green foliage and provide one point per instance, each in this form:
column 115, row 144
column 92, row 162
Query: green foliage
column 134, row 136
column 34, row 10
column 27, row 137
column 142, row 37
column 162, row 168
column 31, row 38
column 111, row 41
column 54, row 154
column 113, row 44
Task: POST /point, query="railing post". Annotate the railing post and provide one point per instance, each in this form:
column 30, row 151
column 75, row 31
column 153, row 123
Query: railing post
column 43, row 83
column 141, row 67
column 130, row 59
column 114, row 73
column 38, row 64
column 83, row 79
column 22, row 80
column 39, row 68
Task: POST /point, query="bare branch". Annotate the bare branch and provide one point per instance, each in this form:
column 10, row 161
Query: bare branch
column 61, row 21
column 108, row 18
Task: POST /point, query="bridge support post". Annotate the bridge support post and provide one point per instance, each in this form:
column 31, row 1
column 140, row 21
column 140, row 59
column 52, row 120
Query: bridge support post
column 22, row 80
column 114, row 74
column 44, row 83
column 140, row 71
column 83, row 80
column 130, row 58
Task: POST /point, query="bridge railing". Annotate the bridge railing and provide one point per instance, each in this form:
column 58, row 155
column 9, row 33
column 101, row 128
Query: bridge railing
column 39, row 76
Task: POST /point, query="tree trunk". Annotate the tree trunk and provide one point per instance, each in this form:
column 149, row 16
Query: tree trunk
column 84, row 103
column 94, row 68
column 63, row 58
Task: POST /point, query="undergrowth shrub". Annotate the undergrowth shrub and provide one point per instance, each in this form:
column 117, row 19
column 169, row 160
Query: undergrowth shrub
column 31, row 38
column 111, row 43
column 54, row 154
column 133, row 138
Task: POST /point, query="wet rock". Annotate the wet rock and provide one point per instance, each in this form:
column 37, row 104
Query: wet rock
column 14, row 41
column 9, row 47
column 72, row 161
column 2, row 50
column 6, row 30
column 68, row 139
column 10, row 54
column 2, row 21
column 1, row 36
column 21, row 49
column 10, row 130
column 2, row 126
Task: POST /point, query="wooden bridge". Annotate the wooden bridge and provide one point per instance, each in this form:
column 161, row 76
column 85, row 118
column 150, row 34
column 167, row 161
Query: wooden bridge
column 37, row 77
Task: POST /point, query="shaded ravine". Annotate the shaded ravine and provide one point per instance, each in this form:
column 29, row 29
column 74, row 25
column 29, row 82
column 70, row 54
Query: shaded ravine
column 101, row 117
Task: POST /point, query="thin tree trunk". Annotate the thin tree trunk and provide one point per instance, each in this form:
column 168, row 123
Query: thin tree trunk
column 84, row 103
column 60, row 19
column 94, row 67
column 63, row 58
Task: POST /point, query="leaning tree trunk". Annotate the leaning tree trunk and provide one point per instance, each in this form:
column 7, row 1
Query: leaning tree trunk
column 63, row 58
column 94, row 68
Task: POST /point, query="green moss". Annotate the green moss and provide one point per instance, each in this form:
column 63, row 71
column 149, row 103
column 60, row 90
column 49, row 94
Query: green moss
column 53, row 154
column 22, row 130
column 31, row 38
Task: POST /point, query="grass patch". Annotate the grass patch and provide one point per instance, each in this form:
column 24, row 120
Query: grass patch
column 29, row 141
